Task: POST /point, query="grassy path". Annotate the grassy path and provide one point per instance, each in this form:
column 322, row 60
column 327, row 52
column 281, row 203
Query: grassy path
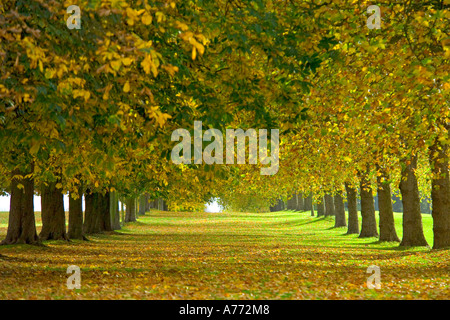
column 279, row 255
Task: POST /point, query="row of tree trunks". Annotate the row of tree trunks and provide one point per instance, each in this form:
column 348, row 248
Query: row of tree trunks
column 278, row 207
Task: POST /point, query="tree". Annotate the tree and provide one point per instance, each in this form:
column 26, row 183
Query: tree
column 368, row 221
column 329, row 205
column 440, row 191
column 21, row 223
column 115, row 213
column 97, row 214
column 130, row 213
column 52, row 212
column 340, row 211
column 386, row 221
column 353, row 226
column 75, row 230
column 412, row 218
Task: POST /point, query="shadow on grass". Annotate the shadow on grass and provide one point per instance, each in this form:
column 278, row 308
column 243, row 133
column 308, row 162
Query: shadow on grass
column 347, row 234
column 389, row 245
column 333, row 227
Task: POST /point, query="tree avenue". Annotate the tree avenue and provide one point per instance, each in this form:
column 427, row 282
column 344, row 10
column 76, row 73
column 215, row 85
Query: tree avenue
column 90, row 112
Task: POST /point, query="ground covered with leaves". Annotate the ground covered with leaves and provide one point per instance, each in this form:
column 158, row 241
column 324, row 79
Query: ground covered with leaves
column 278, row 255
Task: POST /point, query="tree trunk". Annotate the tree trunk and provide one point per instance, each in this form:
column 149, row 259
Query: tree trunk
column 440, row 193
column 292, row 203
column 339, row 220
column 412, row 218
column 122, row 212
column 142, row 204
column 52, row 213
column 386, row 222
column 98, row 214
column 368, row 220
column 130, row 213
column 312, row 206
column 147, row 203
column 307, row 202
column 320, row 207
column 159, row 204
column 21, row 223
column 300, row 202
column 329, row 205
column 115, row 214
column 353, row 225
column 76, row 216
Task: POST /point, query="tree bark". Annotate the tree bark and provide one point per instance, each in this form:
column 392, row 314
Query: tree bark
column 386, row 221
column 368, row 220
column 142, row 204
column 76, row 217
column 329, row 205
column 52, row 212
column 292, row 203
column 353, row 225
column 320, row 207
column 312, row 205
column 440, row 193
column 122, row 212
column 339, row 220
column 147, row 203
column 307, row 202
column 115, row 214
column 300, row 202
column 130, row 213
column 21, row 223
column 98, row 214
column 412, row 218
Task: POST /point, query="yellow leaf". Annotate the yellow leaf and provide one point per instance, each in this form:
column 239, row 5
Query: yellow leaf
column 200, row 47
column 127, row 61
column 126, row 87
column 194, row 53
column 35, row 148
column 146, row 19
column 182, row 26
column 116, row 64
